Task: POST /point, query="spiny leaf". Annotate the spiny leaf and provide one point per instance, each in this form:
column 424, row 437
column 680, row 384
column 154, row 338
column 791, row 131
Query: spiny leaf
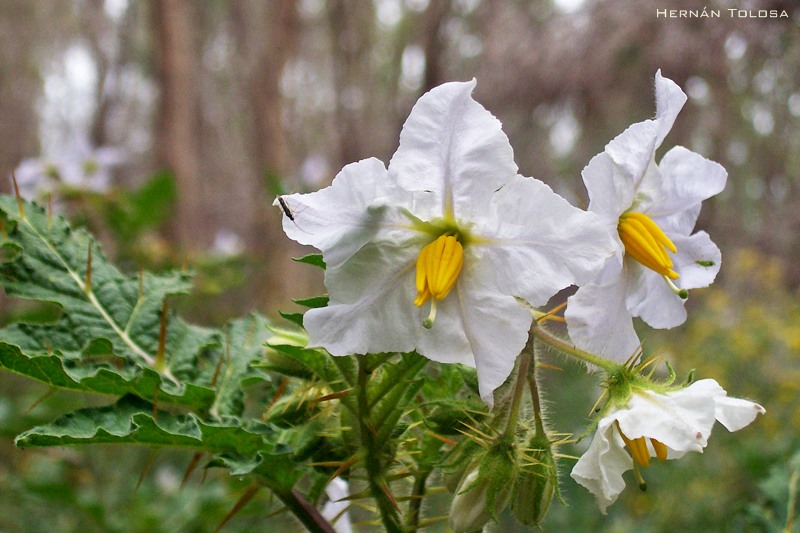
column 130, row 421
column 49, row 261
column 244, row 344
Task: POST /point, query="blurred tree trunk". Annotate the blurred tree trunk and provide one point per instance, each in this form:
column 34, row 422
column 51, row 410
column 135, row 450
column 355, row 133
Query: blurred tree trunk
column 19, row 85
column 434, row 44
column 177, row 141
column 352, row 34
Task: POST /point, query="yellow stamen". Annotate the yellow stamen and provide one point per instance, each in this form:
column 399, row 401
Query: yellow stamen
column 660, row 448
column 438, row 266
column 637, row 447
column 639, row 450
column 646, row 243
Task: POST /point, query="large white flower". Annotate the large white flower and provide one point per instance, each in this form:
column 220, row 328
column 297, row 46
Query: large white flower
column 666, row 426
column 450, row 236
column 652, row 209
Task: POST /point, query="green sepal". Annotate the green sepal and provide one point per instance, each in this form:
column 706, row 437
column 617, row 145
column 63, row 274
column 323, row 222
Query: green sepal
column 311, row 259
column 313, row 303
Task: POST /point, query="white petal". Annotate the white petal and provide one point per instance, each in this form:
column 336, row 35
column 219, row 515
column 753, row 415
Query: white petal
column 648, row 296
column 341, row 218
column 681, row 420
column 734, row 413
column 610, row 193
column 371, row 306
column 336, row 506
column 452, row 146
column 693, row 253
column 633, row 149
column 687, row 179
column 599, row 322
column 541, row 243
column 496, row 327
column 669, row 102
column 600, row 469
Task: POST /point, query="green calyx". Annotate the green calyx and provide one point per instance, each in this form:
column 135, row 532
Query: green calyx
column 443, row 226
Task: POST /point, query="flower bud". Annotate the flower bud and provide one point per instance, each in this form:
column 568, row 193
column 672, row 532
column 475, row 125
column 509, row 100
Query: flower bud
column 536, row 484
column 484, row 490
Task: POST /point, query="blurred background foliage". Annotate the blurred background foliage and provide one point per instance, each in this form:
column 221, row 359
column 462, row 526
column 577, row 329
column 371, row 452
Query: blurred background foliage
column 168, row 126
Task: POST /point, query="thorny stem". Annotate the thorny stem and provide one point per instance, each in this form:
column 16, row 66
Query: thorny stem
column 415, row 504
column 304, row 511
column 569, row 349
column 371, row 450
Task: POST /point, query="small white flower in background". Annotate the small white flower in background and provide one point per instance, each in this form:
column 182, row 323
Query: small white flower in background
column 76, row 164
column 652, row 209
column 227, row 244
column 335, row 509
column 666, row 426
column 432, row 254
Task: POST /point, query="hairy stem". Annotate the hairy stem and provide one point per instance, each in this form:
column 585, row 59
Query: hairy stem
column 519, row 388
column 567, row 348
column 537, row 404
column 371, row 450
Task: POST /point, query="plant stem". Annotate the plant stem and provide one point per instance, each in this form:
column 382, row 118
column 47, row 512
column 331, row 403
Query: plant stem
column 519, row 387
column 569, row 349
column 537, row 404
column 371, row 450
column 304, row 511
column 415, row 504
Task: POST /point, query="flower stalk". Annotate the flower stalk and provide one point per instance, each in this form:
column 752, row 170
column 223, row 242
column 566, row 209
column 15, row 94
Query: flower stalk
column 371, row 450
column 567, row 348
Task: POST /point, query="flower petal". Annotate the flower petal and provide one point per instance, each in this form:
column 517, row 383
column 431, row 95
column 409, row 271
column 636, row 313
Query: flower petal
column 371, row 306
column 648, row 296
column 634, row 149
column 451, row 145
column 601, row 467
column 670, row 99
column 341, row 218
column 698, row 260
column 687, row 179
column 681, row 420
column 496, row 327
column 734, row 413
column 535, row 258
column 610, row 192
column 599, row 322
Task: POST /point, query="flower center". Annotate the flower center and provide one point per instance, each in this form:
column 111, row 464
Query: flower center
column 646, row 243
column 438, row 266
column 639, row 451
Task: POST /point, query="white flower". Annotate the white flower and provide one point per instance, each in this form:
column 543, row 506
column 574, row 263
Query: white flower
column 666, row 426
column 336, row 508
column 450, row 231
column 76, row 164
column 652, row 209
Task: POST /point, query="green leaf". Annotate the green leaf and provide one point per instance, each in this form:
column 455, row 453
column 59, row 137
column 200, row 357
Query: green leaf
column 244, row 345
column 131, row 421
column 323, row 365
column 102, row 311
column 311, row 259
column 111, row 375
